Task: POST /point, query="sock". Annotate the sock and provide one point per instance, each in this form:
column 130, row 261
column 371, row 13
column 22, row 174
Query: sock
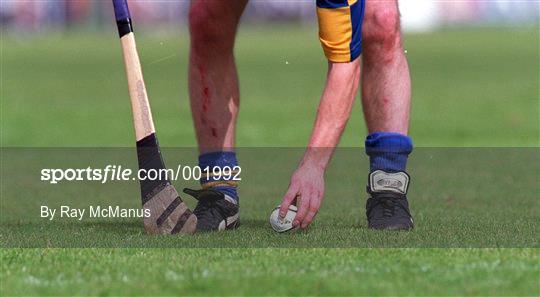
column 388, row 151
column 219, row 183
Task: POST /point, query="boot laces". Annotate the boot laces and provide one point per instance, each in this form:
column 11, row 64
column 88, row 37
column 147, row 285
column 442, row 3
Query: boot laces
column 389, row 202
column 208, row 206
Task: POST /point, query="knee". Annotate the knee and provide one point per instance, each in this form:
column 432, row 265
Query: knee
column 382, row 29
column 208, row 28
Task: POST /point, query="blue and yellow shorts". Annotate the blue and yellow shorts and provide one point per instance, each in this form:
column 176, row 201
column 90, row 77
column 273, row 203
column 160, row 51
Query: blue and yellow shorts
column 340, row 28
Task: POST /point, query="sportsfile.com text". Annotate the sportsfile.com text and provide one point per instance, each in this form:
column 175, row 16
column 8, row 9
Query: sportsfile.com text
column 122, row 173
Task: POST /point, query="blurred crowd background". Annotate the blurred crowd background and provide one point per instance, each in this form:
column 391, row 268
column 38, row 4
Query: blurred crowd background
column 418, row 15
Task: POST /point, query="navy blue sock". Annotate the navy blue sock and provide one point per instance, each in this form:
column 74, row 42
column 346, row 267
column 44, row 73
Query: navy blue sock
column 221, row 183
column 388, row 151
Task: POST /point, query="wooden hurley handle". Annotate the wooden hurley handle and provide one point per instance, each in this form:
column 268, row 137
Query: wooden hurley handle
column 142, row 115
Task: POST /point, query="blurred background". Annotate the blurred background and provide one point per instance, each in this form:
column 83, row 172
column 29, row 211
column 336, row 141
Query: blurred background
column 418, row 15
column 474, row 66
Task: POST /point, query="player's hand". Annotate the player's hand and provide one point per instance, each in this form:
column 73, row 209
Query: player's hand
column 307, row 188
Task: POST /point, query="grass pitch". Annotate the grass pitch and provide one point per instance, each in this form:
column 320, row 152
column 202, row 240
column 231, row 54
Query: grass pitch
column 271, row 271
column 476, row 234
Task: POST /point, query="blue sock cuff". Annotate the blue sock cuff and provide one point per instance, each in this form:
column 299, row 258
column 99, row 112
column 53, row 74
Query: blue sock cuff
column 388, row 151
column 220, row 160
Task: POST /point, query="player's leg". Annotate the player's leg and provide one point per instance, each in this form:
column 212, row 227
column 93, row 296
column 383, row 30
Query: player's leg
column 214, row 97
column 386, row 85
column 213, row 81
column 386, row 97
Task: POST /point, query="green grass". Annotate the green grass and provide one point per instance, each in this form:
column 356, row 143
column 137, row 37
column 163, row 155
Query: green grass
column 476, row 234
column 471, row 88
column 272, row 271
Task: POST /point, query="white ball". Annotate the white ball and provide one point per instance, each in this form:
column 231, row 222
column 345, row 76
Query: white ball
column 283, row 224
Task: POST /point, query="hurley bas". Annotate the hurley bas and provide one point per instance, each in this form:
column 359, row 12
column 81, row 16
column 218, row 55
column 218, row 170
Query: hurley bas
column 93, row 212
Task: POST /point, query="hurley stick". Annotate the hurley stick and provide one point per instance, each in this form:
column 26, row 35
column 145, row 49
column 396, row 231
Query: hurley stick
column 168, row 213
